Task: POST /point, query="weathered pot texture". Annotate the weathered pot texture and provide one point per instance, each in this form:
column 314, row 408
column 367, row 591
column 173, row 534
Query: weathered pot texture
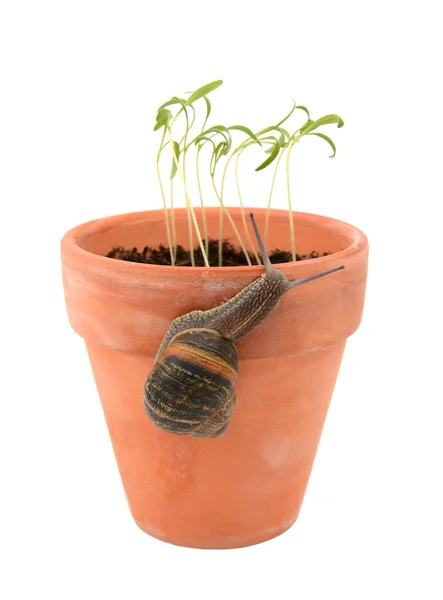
column 248, row 485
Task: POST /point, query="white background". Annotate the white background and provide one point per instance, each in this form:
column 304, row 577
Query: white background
column 80, row 84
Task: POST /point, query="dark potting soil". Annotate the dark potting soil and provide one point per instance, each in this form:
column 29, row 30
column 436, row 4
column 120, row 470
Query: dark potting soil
column 232, row 255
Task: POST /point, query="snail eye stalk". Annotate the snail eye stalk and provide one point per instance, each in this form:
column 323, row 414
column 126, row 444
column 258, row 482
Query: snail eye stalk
column 299, row 282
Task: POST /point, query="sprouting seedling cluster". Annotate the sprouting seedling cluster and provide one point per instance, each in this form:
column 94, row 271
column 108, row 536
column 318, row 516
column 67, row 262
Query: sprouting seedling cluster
column 277, row 141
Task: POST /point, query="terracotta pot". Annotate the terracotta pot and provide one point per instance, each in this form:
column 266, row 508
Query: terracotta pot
column 247, row 486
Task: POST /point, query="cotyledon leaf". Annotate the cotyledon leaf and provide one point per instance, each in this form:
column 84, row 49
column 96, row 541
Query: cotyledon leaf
column 208, row 112
column 221, row 150
column 326, row 120
column 163, row 118
column 274, row 128
column 308, row 123
column 327, row 139
column 221, row 129
column 176, row 151
column 245, row 130
column 171, row 102
column 304, row 109
column 272, row 140
column 271, row 157
column 205, row 89
column 288, row 115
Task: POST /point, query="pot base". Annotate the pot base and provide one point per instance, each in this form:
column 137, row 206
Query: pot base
column 222, row 542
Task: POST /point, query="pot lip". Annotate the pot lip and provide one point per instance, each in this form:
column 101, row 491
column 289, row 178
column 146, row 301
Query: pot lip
column 73, row 238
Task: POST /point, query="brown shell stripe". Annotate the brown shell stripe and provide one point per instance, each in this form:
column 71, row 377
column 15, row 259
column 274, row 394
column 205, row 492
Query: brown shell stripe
column 191, row 382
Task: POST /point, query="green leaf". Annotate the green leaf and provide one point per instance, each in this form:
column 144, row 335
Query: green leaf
column 330, row 120
column 288, row 115
column 204, row 139
column 274, row 128
column 171, row 102
column 270, row 138
column 327, row 139
column 274, row 140
column 308, row 123
column 284, row 134
column 271, row 157
column 219, row 147
column 216, row 155
column 221, row 150
column 326, row 120
column 247, row 131
column 222, row 130
column 192, row 120
column 163, row 118
column 219, row 129
column 175, row 100
column 208, row 111
column 206, row 89
column 161, row 112
column 176, row 151
column 304, row 109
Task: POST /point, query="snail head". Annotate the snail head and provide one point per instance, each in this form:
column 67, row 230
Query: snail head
column 273, row 273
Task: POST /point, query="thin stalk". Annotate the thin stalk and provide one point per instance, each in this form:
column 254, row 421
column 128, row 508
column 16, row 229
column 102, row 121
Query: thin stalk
column 191, row 235
column 208, row 111
column 189, row 204
column 174, row 234
column 212, row 166
column 291, row 218
column 257, row 258
column 165, row 209
column 238, row 151
column 288, row 115
column 223, row 209
column 268, row 210
column 183, row 140
column 205, row 224
column 220, row 234
column 188, row 125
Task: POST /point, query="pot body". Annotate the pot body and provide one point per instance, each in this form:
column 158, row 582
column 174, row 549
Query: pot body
column 248, row 485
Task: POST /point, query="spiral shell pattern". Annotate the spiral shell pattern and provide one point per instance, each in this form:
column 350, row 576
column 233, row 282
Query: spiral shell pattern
column 190, row 390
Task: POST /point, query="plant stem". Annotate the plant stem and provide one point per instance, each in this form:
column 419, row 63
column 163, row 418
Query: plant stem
column 291, row 218
column 205, row 224
column 191, row 235
column 165, row 209
column 223, row 209
column 220, row 234
column 189, row 204
column 257, row 258
column 174, row 234
column 268, row 210
column 238, row 151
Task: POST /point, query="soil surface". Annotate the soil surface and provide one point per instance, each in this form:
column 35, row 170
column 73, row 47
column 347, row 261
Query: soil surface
column 232, row 255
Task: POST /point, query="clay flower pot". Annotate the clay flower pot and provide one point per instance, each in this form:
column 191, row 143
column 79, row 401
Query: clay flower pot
column 247, row 486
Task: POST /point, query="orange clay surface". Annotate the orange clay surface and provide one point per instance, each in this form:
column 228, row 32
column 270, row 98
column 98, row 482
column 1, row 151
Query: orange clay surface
column 247, row 486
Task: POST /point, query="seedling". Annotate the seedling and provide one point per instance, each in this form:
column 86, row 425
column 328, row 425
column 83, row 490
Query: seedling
column 276, row 141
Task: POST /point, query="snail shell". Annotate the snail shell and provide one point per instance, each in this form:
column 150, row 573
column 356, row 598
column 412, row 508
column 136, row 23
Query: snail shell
column 190, row 390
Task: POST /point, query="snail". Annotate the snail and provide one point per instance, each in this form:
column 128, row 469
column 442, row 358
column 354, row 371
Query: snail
column 190, row 390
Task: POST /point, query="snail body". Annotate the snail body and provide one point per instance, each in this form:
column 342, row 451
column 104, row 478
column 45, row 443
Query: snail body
column 190, row 390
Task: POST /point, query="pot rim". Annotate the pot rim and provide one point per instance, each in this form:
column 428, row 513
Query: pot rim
column 72, row 241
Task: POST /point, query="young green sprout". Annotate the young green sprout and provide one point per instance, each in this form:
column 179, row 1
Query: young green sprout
column 277, row 140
